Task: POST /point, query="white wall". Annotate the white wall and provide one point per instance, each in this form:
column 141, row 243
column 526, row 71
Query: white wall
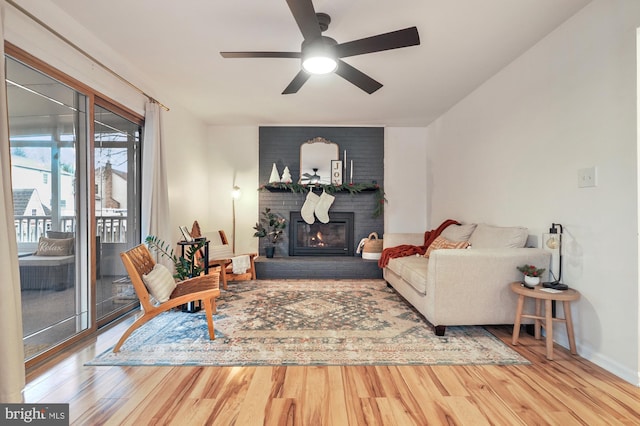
column 232, row 159
column 405, row 179
column 509, row 153
column 187, row 166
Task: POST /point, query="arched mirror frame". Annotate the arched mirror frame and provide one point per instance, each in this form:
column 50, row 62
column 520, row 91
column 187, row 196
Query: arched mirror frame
column 315, row 160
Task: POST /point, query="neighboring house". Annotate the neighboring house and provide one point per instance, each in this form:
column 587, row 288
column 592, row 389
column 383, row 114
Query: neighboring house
column 27, row 202
column 31, row 173
column 111, row 189
column 29, row 214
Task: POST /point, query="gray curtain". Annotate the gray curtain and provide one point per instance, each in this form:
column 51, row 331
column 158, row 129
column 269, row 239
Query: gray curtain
column 12, row 373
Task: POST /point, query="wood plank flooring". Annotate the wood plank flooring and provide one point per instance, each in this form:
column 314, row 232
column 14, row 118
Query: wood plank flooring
column 566, row 391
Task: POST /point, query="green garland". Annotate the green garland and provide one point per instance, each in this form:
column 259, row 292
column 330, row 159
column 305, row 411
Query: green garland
column 352, row 188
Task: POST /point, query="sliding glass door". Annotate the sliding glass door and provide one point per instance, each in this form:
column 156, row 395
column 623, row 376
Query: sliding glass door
column 117, row 201
column 75, row 169
column 48, row 137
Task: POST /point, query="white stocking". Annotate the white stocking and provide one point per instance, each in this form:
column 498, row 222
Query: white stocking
column 309, row 207
column 322, row 209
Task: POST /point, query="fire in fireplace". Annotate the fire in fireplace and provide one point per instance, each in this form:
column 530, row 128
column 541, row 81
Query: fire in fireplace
column 321, row 239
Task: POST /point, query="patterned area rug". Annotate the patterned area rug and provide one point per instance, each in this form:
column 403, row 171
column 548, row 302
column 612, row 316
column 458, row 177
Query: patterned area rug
column 300, row 322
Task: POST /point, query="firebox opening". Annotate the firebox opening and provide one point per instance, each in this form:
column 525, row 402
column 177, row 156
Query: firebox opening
column 321, row 239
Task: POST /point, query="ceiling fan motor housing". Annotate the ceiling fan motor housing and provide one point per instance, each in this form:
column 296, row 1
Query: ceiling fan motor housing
column 319, row 49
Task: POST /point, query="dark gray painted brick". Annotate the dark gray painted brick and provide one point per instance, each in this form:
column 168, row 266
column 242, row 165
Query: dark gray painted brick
column 365, row 146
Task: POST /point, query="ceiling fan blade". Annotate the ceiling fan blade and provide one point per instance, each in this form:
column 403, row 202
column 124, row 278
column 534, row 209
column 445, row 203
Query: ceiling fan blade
column 297, row 82
column 357, row 77
column 378, row 43
column 260, row 54
column 305, row 16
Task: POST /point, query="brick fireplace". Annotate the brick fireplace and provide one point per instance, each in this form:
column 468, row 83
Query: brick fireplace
column 281, row 145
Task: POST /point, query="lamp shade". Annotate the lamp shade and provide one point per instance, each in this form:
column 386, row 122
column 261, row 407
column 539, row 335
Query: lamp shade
column 552, row 241
column 235, row 192
column 319, row 56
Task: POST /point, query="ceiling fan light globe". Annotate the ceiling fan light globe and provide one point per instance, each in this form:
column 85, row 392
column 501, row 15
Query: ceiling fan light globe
column 319, row 65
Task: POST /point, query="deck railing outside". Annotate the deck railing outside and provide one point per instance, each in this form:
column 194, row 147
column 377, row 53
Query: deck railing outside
column 110, row 229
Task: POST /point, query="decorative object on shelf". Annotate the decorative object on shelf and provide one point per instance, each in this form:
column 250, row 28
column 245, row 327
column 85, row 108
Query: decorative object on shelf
column 336, row 172
column 185, row 234
column 344, row 164
column 286, row 176
column 531, row 280
column 309, row 208
column 275, row 176
column 531, row 273
column 185, row 267
column 352, row 188
column 316, row 155
column 371, row 247
column 271, row 226
column 351, row 173
column 553, row 241
column 322, row 208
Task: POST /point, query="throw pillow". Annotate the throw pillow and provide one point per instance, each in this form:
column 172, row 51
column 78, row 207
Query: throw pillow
column 442, row 243
column 54, row 247
column 159, row 282
column 489, row 236
column 458, row 232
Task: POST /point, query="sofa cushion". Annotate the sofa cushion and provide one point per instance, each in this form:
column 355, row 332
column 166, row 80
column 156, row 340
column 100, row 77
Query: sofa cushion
column 413, row 270
column 458, row 232
column 441, row 243
column 488, row 236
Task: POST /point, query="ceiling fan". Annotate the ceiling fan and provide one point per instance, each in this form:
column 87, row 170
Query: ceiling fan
column 322, row 55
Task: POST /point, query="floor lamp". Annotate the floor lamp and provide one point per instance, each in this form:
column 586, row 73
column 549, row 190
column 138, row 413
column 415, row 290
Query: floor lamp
column 235, row 194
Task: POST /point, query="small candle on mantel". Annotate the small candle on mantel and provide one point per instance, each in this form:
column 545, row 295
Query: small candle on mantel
column 344, row 164
column 351, row 173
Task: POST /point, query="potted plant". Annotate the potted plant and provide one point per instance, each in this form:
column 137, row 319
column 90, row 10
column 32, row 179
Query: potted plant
column 531, row 273
column 271, row 226
column 185, row 267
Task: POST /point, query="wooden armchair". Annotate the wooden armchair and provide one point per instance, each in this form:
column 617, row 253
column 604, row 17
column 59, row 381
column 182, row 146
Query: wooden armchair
column 220, row 255
column 138, row 261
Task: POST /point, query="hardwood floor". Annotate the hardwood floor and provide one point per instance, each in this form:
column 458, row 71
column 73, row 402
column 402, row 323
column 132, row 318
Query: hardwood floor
column 566, row 391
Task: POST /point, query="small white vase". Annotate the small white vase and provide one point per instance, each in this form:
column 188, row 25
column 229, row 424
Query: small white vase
column 531, row 280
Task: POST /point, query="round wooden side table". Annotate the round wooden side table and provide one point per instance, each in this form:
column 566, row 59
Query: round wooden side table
column 539, row 294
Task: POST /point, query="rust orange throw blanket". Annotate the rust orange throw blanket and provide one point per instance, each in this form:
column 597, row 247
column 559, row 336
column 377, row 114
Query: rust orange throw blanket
column 409, row 250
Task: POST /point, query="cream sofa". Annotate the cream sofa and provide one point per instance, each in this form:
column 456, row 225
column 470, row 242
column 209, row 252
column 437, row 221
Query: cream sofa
column 464, row 286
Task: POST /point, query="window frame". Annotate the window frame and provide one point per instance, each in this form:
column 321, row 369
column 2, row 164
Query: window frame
column 94, row 97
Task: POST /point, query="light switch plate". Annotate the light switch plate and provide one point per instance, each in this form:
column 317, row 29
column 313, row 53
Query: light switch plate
column 587, row 177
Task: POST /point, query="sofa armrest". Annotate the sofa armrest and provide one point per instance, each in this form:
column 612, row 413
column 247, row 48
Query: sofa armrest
column 397, row 239
column 462, row 282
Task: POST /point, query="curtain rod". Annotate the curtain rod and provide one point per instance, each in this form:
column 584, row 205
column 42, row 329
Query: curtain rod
column 86, row 54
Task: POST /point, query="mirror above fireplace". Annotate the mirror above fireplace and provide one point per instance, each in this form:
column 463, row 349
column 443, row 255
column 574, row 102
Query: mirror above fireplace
column 315, row 160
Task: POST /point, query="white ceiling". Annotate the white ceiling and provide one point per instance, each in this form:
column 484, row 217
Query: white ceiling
column 177, row 45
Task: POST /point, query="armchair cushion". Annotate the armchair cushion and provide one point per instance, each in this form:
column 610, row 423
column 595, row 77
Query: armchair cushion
column 159, row 282
column 217, row 252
